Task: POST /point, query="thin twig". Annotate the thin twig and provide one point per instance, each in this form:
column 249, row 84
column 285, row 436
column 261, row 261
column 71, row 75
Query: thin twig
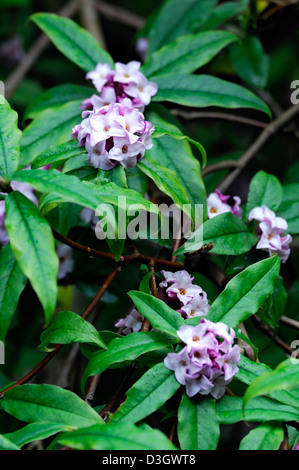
column 16, row 77
column 114, row 401
column 57, row 348
column 269, row 131
column 289, row 322
column 223, row 165
column 119, row 14
column 188, row 116
column 94, row 382
column 176, row 244
column 270, row 333
column 91, row 22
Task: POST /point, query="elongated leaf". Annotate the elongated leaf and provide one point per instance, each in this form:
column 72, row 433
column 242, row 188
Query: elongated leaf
column 68, row 327
column 289, row 207
column 228, row 233
column 57, row 154
column 198, row 426
column 52, row 127
column 73, row 41
column 157, row 313
column 229, row 410
column 187, row 53
column 39, row 403
column 12, row 283
column 222, row 13
column 147, row 395
column 6, row 444
column 250, row 61
column 245, row 293
column 284, row 377
column 176, row 19
column 264, row 437
column 120, row 437
column 264, row 190
column 57, row 96
column 123, row 349
column 159, row 132
column 117, row 175
column 36, row 431
column 33, row 245
column 204, row 90
column 177, row 156
column 249, row 371
column 10, row 137
column 167, row 181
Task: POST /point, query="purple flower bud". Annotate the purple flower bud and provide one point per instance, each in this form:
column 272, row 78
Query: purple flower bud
column 217, row 204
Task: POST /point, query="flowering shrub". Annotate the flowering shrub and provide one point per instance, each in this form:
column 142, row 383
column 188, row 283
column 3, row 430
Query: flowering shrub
column 148, row 260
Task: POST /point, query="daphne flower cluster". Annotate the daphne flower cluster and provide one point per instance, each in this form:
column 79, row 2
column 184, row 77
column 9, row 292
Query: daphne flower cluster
column 208, row 362
column 132, row 323
column 178, row 291
column 217, row 204
column 114, row 134
column 270, row 232
column 126, row 81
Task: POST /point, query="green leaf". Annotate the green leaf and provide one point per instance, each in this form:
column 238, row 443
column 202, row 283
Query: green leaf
column 156, row 311
column 147, row 395
column 187, row 53
column 68, row 327
column 6, row 444
column 265, row 437
column 167, row 181
column 57, row 96
column 220, row 14
column 289, row 207
column 284, row 377
column 57, row 154
column 120, row 437
column 117, row 175
column 73, row 41
column 39, row 403
column 274, row 307
column 250, row 61
column 123, row 349
column 177, row 156
column 204, row 90
column 249, row 371
column 228, row 233
column 229, row 410
column 10, row 137
column 198, row 426
column 159, row 132
column 175, row 19
column 12, row 283
column 33, row 245
column 264, row 190
column 52, row 127
column 144, row 285
column 36, row 431
column 245, row 293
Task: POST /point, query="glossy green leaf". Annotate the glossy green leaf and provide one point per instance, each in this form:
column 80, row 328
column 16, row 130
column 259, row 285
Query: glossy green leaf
column 57, row 96
column 187, row 53
column 117, row 175
column 274, row 307
column 147, row 395
column 204, row 90
column 198, row 426
column 57, row 154
column 156, row 311
column 264, row 190
column 221, row 13
column 12, row 283
column 36, row 431
column 68, row 327
column 120, row 437
column 284, row 377
column 10, row 137
column 74, row 42
column 6, row 444
column 229, row 410
column 123, row 349
column 175, row 19
column 245, row 293
column 228, row 233
column 39, row 403
column 265, row 437
column 289, row 207
column 250, row 61
column 52, row 127
column 33, row 245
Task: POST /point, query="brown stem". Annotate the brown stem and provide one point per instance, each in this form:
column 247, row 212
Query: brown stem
column 187, row 115
column 94, row 382
column 176, row 244
column 270, row 333
column 289, row 322
column 119, row 14
column 256, row 146
column 113, row 402
column 57, row 348
column 224, row 165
